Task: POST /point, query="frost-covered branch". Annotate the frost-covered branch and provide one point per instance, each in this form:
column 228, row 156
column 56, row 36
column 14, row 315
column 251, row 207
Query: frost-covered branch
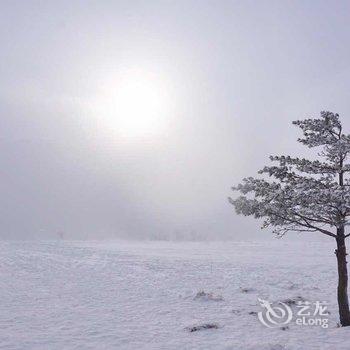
column 302, row 195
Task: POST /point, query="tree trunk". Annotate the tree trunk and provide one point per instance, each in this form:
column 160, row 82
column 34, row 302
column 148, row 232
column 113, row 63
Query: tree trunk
column 343, row 301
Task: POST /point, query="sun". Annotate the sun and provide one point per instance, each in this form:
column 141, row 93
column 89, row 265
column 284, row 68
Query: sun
column 134, row 105
column 139, row 107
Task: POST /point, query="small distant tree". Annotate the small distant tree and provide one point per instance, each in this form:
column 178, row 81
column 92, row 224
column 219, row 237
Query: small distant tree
column 60, row 235
column 297, row 194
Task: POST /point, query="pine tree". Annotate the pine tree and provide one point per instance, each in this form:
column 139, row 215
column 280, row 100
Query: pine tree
column 297, row 194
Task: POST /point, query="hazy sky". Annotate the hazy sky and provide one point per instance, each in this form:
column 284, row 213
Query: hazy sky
column 231, row 76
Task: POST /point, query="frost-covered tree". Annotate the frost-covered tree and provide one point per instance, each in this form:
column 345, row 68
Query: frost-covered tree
column 297, row 194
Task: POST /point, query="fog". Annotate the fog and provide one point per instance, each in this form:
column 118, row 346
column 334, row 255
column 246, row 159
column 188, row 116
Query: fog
column 234, row 75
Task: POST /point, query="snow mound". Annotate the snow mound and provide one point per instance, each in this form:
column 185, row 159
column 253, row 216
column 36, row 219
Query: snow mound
column 203, row 296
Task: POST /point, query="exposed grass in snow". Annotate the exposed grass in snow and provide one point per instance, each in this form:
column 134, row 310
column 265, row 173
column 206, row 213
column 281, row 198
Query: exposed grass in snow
column 201, row 327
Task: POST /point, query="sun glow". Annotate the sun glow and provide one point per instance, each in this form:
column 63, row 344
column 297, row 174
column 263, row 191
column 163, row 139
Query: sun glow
column 134, row 106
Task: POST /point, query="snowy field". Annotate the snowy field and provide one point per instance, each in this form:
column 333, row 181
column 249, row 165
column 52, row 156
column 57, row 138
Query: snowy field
column 128, row 295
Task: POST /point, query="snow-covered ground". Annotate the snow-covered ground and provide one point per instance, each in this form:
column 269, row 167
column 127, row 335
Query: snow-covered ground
column 128, row 295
